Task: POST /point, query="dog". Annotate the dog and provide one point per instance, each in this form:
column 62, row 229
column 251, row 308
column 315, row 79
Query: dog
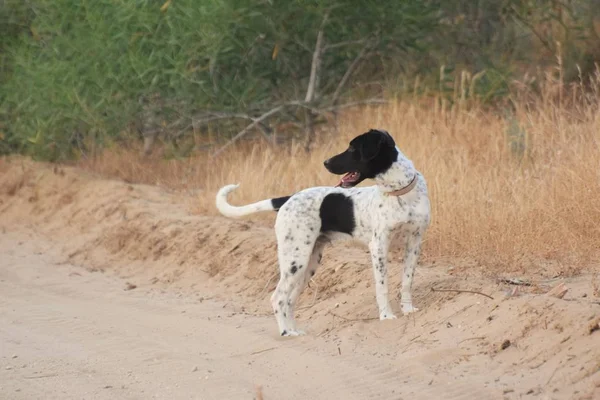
column 313, row 217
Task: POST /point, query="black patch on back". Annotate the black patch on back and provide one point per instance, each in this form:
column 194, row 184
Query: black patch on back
column 337, row 214
column 279, row 201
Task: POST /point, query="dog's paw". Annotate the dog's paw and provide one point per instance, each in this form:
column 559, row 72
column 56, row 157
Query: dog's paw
column 387, row 315
column 296, row 332
column 408, row 308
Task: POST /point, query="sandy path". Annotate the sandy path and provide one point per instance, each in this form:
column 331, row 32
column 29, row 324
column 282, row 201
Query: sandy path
column 69, row 333
column 77, row 334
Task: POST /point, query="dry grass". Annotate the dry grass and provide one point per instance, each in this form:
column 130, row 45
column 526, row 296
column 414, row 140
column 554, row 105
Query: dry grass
column 507, row 192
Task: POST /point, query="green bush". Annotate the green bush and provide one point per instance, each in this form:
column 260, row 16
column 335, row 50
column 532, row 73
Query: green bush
column 81, row 73
column 85, row 70
column 88, row 67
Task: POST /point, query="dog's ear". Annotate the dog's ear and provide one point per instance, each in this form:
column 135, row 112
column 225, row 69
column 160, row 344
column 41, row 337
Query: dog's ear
column 370, row 146
column 388, row 139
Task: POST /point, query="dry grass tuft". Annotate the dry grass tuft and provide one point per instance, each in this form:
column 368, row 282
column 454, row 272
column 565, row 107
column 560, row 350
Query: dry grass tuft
column 508, row 191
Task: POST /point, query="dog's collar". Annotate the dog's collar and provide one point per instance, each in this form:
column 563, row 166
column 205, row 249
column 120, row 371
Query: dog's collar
column 406, row 189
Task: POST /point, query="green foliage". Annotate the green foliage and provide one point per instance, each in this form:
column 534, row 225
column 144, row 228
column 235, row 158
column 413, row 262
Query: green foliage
column 88, row 68
column 80, row 73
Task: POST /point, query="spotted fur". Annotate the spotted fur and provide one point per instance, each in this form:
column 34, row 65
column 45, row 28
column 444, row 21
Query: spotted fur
column 313, row 217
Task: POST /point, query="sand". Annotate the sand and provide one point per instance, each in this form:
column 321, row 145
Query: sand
column 113, row 290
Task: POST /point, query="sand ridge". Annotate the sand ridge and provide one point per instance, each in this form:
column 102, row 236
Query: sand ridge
column 522, row 343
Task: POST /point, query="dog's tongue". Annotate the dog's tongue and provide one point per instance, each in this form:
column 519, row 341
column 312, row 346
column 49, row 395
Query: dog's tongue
column 349, row 177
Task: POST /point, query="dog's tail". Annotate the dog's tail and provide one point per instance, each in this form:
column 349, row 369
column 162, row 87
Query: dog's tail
column 235, row 212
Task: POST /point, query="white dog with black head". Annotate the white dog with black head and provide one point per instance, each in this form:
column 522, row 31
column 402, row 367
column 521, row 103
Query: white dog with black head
column 311, row 218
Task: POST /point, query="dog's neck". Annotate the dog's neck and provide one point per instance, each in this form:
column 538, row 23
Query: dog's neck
column 400, row 174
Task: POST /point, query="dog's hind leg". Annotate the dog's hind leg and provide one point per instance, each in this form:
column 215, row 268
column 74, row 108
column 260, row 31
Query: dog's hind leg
column 315, row 258
column 293, row 270
column 297, row 265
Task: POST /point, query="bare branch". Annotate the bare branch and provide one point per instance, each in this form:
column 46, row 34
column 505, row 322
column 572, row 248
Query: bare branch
column 532, row 28
column 352, row 104
column 462, row 291
column 351, row 319
column 342, row 44
column 348, row 73
column 316, row 61
column 324, row 110
column 300, row 43
column 213, row 116
column 266, row 132
column 218, row 115
column 313, row 83
column 258, row 121
column 255, row 122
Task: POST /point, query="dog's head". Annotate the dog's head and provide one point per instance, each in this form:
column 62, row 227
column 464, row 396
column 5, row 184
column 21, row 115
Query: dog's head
column 367, row 156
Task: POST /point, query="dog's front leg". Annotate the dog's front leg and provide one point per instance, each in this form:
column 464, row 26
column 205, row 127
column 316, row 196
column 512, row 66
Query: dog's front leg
column 379, row 250
column 411, row 256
